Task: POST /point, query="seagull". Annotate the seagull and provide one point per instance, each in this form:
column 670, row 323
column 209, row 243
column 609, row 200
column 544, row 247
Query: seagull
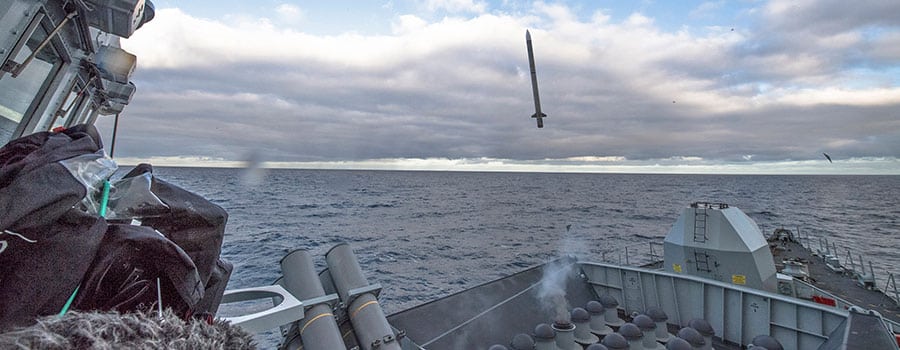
column 828, row 157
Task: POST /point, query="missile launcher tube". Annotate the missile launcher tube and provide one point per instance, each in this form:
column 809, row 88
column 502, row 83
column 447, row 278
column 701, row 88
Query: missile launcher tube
column 318, row 330
column 369, row 323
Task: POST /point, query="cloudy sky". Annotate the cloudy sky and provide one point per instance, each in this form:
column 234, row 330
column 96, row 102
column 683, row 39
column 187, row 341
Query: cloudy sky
column 741, row 86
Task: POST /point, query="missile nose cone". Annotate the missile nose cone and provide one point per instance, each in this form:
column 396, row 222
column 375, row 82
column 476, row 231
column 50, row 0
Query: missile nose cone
column 527, row 35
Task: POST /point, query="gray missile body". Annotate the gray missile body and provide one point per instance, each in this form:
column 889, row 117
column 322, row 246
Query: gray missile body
column 534, row 85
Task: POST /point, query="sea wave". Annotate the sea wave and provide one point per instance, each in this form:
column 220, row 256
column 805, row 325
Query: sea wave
column 424, row 235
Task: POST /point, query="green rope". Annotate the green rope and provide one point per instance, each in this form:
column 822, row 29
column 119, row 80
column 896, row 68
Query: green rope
column 104, row 202
column 65, row 308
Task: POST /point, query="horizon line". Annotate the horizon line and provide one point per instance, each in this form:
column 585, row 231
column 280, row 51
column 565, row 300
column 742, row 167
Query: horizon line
column 853, row 166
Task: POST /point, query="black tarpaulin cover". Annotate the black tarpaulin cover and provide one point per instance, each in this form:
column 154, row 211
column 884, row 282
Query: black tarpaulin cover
column 197, row 227
column 123, row 274
column 52, row 243
column 45, row 246
column 35, row 188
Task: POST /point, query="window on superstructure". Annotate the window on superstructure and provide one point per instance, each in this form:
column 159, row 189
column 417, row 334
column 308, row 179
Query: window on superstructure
column 69, row 108
column 20, row 96
column 89, row 112
column 75, row 113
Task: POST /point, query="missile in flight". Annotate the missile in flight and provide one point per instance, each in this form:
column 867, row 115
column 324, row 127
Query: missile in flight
column 534, row 86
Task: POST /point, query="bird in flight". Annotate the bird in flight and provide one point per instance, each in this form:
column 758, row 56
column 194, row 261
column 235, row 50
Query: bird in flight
column 828, row 157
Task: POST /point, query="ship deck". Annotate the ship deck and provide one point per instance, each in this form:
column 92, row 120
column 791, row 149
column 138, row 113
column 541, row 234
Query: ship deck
column 840, row 285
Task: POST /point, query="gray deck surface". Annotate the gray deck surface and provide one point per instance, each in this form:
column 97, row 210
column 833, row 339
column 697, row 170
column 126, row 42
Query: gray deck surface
column 491, row 313
column 840, row 285
column 860, row 331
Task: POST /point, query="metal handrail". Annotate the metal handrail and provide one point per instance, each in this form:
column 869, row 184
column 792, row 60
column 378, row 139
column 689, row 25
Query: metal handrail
column 655, row 255
column 826, row 248
column 892, row 283
column 889, row 285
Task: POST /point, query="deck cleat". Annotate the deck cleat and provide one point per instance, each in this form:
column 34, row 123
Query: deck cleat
column 544, row 337
column 648, row 328
column 596, row 346
column 693, row 337
column 598, row 321
column 522, row 341
column 705, row 329
column 611, row 315
column 582, row 320
column 678, row 344
column 633, row 335
column 765, row 342
column 614, row 341
column 659, row 317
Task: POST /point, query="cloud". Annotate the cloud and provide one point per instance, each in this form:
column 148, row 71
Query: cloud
column 845, row 97
column 675, row 165
column 829, row 16
column 407, row 24
column 886, row 48
column 288, row 12
column 456, row 6
column 706, row 9
column 824, row 38
column 458, row 88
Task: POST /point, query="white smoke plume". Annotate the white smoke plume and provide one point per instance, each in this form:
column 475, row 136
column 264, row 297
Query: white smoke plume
column 552, row 288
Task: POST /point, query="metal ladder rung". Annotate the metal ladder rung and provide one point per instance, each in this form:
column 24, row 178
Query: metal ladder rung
column 700, row 225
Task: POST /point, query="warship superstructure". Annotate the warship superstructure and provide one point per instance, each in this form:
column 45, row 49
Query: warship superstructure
column 62, row 64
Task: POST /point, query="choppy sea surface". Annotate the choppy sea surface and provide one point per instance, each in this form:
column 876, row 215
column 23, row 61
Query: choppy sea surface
column 423, row 235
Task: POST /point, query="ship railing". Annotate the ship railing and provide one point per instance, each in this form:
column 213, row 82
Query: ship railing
column 891, row 285
column 727, row 307
column 709, row 205
column 858, row 271
column 646, row 254
column 830, row 253
column 810, row 290
column 730, row 309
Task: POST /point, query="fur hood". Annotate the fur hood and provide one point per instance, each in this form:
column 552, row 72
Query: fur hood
column 95, row 330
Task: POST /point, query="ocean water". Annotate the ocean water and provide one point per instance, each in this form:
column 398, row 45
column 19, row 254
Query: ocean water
column 423, row 235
